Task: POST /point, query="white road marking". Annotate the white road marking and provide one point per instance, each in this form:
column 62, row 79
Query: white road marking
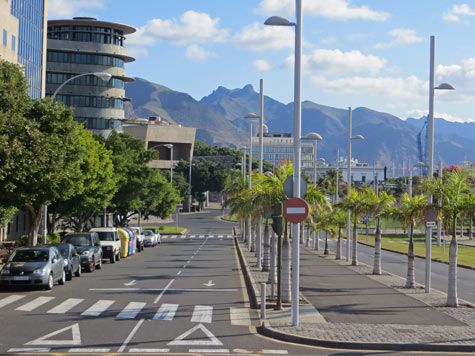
column 205, row 351
column 163, row 291
column 184, row 266
column 178, row 273
column 275, row 352
column 26, row 349
column 98, row 308
column 65, row 306
column 149, row 350
column 211, row 340
column 242, row 351
column 202, row 236
column 131, row 310
column 10, row 299
column 88, row 350
column 209, row 284
column 38, row 302
column 183, row 237
column 159, row 289
column 173, row 237
column 220, row 236
column 192, row 236
column 131, row 335
column 166, row 312
column 75, row 340
column 202, row 314
column 131, row 283
column 240, row 316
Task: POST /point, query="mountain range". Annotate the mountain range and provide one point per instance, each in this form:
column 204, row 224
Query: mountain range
column 219, row 119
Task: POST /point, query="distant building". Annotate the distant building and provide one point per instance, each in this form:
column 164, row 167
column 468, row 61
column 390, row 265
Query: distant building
column 86, row 45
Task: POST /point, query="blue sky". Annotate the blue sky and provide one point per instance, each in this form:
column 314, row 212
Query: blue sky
column 369, row 53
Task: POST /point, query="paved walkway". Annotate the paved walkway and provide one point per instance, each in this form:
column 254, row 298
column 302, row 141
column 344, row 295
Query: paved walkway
column 348, row 307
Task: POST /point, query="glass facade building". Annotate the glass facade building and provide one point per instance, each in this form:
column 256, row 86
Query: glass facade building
column 85, row 45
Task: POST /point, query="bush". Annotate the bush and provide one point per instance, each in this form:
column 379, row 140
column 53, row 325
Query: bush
column 50, row 239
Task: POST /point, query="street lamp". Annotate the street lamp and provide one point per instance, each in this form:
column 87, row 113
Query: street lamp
column 430, row 154
column 348, row 219
column 170, row 146
column 313, row 136
column 101, row 75
column 280, row 21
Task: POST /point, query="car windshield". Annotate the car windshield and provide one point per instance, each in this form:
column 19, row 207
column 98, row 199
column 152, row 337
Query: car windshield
column 64, row 250
column 106, row 235
column 78, row 240
column 147, row 233
column 30, row 256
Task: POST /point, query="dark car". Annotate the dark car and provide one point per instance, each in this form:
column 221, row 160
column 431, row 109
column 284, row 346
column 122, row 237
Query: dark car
column 89, row 248
column 34, row 266
column 72, row 261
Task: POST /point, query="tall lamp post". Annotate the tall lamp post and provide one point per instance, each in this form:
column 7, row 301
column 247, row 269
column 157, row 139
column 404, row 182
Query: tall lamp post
column 430, row 155
column 101, row 75
column 348, row 219
column 170, row 146
column 280, row 21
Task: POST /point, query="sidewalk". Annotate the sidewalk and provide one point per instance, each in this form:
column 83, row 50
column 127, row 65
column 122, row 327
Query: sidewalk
column 345, row 306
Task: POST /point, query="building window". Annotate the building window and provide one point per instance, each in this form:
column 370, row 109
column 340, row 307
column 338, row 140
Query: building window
column 13, row 42
column 363, row 179
column 5, row 38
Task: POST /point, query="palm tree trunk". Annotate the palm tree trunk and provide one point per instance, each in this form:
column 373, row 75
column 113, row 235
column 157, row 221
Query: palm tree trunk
column 452, row 300
column 316, row 242
column 249, row 234
column 326, row 244
column 272, row 277
column 411, row 279
column 354, row 260
column 286, row 298
column 377, row 248
column 338, row 245
column 470, row 233
column 266, row 245
column 254, row 235
column 307, row 242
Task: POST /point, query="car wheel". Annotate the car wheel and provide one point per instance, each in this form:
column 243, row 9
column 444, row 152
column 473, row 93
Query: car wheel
column 91, row 266
column 112, row 259
column 99, row 265
column 50, row 284
column 117, row 258
column 78, row 272
column 62, row 280
column 69, row 275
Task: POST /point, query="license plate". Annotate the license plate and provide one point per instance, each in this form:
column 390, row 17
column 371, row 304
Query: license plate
column 20, row 278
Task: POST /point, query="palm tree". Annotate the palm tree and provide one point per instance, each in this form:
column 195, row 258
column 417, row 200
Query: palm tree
column 409, row 213
column 319, row 203
column 454, row 194
column 236, row 191
column 378, row 206
column 339, row 217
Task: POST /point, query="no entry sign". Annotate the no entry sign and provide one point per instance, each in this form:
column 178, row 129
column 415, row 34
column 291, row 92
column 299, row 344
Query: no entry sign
column 295, row 210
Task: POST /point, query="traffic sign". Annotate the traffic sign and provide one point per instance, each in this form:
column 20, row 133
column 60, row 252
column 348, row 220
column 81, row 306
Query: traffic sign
column 430, row 224
column 430, row 214
column 295, row 210
column 289, row 186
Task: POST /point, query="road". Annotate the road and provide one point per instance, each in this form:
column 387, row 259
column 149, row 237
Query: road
column 397, row 264
column 184, row 297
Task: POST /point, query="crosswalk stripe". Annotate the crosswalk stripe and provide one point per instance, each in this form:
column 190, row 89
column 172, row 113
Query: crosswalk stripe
column 275, row 352
column 10, row 299
column 88, row 350
column 65, row 306
column 192, row 236
column 131, row 310
column 132, row 350
column 38, row 302
column 173, row 237
column 166, row 312
column 98, row 308
column 28, row 349
column 201, row 236
column 240, row 316
column 202, row 314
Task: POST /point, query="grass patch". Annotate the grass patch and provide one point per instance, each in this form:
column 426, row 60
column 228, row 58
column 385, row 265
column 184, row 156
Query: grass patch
column 167, row 229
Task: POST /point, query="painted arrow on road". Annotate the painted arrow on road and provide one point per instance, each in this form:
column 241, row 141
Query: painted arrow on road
column 209, row 284
column 131, row 283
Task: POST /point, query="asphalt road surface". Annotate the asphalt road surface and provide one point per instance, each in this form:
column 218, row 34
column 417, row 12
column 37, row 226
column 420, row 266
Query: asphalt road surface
column 183, row 297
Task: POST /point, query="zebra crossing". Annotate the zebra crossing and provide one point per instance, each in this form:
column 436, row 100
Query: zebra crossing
column 202, row 236
column 166, row 312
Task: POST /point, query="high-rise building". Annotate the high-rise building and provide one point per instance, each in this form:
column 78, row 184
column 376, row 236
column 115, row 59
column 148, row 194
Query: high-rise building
column 23, row 39
column 84, row 45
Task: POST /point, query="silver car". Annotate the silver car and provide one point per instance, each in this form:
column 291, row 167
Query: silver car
column 34, row 266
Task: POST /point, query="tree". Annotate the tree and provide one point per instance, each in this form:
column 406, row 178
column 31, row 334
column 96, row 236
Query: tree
column 453, row 193
column 377, row 206
column 339, row 217
column 207, row 176
column 409, row 213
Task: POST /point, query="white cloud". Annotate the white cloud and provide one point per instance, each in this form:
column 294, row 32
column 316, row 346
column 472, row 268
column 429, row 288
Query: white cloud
column 334, row 9
column 327, row 61
column 71, row 8
column 135, row 51
column 328, row 40
column 198, row 54
column 261, row 65
column 418, row 113
column 406, row 88
column 401, row 36
column 457, row 11
column 192, row 27
column 258, row 37
column 461, row 76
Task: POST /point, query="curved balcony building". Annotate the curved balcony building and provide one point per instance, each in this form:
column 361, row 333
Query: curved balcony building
column 85, row 45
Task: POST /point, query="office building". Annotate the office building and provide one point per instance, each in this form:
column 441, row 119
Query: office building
column 85, row 45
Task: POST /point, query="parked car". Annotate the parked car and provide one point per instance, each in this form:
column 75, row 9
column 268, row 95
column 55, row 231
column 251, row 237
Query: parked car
column 139, row 237
column 72, row 261
column 157, row 234
column 110, row 242
column 89, row 248
column 34, row 266
column 150, row 239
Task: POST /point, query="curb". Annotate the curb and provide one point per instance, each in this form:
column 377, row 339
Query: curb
column 248, row 278
column 266, row 330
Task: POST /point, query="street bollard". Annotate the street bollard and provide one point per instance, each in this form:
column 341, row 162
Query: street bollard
column 263, row 300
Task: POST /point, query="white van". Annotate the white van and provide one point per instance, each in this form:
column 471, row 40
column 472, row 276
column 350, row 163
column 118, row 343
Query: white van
column 110, row 242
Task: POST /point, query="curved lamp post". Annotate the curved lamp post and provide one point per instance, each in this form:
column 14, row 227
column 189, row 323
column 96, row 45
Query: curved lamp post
column 313, row 136
column 280, row 21
column 170, row 146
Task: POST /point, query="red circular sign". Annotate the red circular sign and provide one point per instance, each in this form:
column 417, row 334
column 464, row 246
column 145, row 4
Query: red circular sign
column 295, row 210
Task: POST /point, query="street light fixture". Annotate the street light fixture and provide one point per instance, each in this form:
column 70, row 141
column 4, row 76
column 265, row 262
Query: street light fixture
column 170, row 146
column 280, row 21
